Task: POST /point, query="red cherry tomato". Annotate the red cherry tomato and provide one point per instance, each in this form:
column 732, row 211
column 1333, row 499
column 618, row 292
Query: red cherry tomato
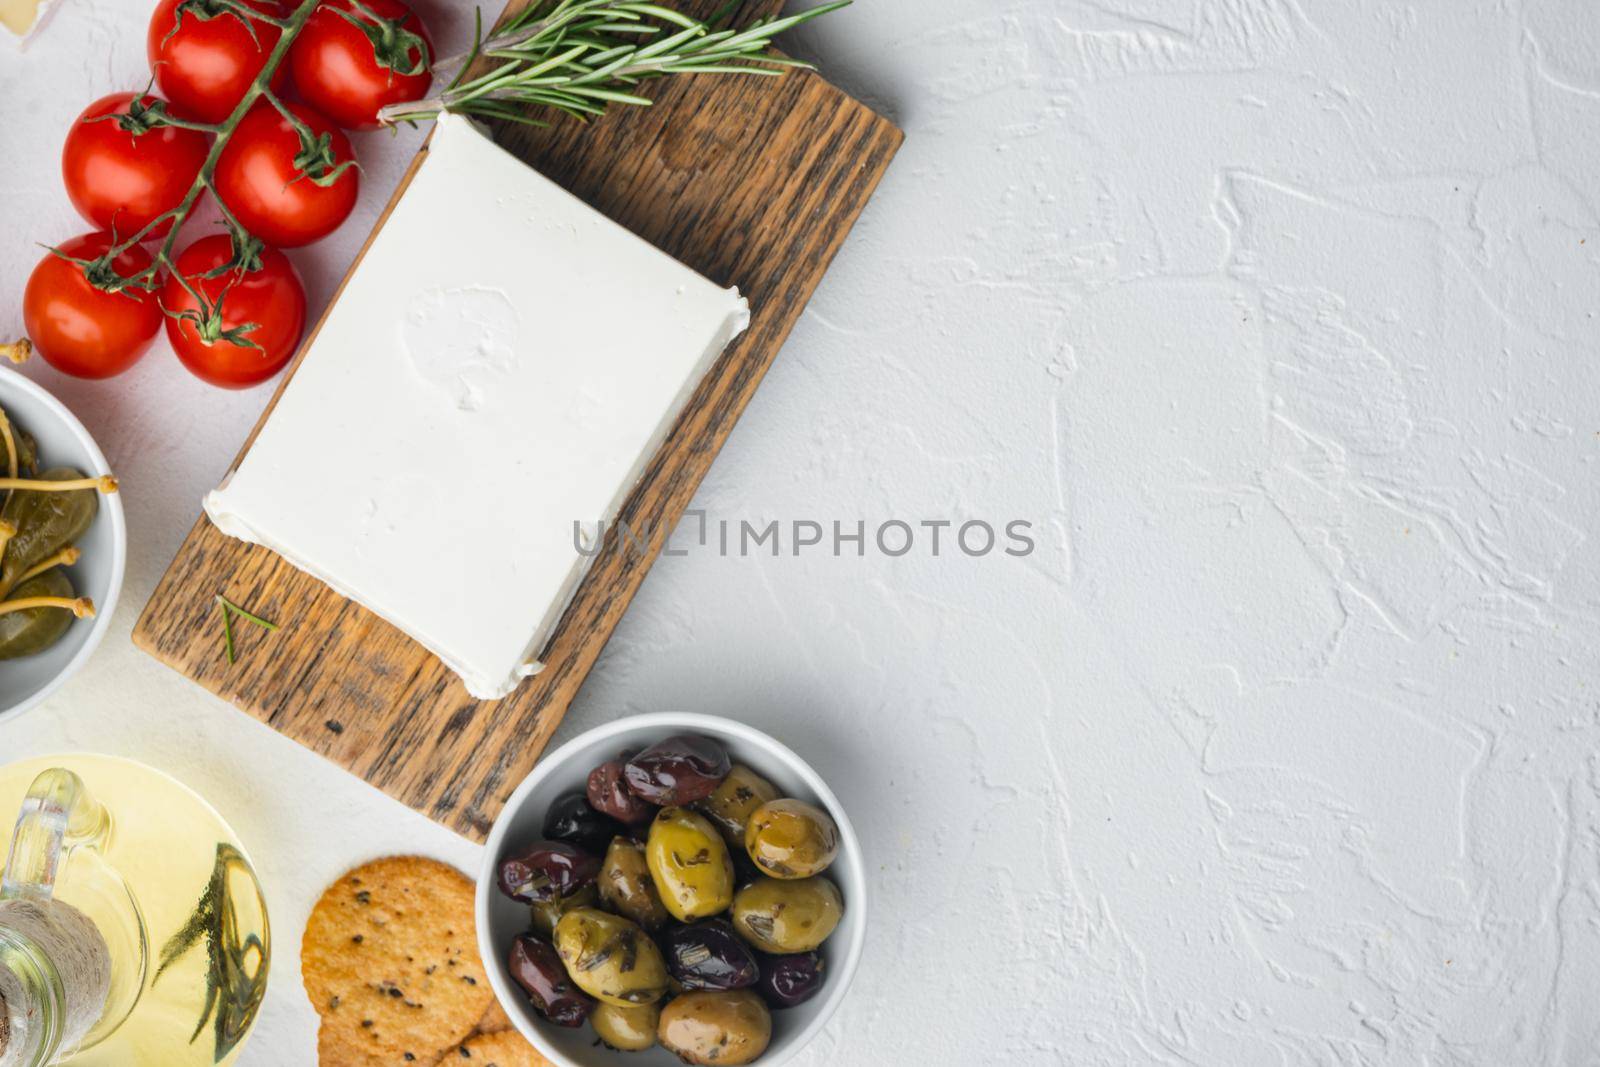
column 214, row 343
column 120, row 180
column 257, row 177
column 84, row 330
column 205, row 56
column 349, row 69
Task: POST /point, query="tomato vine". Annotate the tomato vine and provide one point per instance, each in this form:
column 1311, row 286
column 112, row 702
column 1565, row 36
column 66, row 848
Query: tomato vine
column 315, row 162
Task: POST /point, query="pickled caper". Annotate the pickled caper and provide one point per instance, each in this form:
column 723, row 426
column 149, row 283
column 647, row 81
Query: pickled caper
column 23, row 633
column 27, row 451
column 45, row 522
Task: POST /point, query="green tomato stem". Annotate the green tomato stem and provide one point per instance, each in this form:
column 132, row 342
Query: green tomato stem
column 186, row 124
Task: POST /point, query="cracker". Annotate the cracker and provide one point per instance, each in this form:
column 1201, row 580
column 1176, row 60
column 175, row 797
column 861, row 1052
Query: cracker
column 337, row 1049
column 495, row 1020
column 504, row 1049
column 390, row 962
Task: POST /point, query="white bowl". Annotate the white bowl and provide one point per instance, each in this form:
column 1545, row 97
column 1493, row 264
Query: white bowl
column 500, row 919
column 63, row 442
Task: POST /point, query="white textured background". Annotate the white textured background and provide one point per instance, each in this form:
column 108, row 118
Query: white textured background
column 1279, row 320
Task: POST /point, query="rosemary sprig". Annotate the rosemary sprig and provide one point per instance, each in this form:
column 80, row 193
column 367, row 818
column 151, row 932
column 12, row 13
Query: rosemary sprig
column 236, row 980
column 229, row 610
column 580, row 56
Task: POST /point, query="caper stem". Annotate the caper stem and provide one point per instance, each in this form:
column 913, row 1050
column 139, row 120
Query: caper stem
column 66, row 557
column 80, row 606
column 17, row 351
column 8, row 530
column 11, row 445
column 105, row 483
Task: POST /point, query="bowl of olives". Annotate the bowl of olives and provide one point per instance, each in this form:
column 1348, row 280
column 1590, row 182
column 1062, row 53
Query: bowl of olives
column 671, row 887
column 63, row 549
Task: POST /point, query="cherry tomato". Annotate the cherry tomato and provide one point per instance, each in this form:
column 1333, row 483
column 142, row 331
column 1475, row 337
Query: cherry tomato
column 205, row 56
column 259, row 179
column 84, row 330
column 348, row 65
column 121, row 180
column 217, row 347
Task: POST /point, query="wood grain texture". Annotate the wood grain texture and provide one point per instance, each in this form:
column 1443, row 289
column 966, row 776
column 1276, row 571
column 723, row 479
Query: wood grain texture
column 753, row 182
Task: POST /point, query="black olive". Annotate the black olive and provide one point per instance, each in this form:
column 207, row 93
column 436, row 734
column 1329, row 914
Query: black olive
column 572, row 820
column 535, row 967
column 709, row 955
column 788, row 981
column 546, row 870
column 678, row 771
column 608, row 793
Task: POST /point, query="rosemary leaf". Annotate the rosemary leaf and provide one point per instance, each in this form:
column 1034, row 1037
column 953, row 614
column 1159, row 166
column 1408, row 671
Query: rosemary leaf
column 578, row 56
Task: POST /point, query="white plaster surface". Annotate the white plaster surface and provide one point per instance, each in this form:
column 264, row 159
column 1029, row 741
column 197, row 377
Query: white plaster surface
column 1278, row 319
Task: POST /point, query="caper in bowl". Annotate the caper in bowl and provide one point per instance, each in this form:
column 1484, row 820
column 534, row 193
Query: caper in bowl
column 75, row 541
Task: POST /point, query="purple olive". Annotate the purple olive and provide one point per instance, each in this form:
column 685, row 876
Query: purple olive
column 678, row 771
column 709, row 955
column 535, row 967
column 789, row 981
column 546, row 870
column 572, row 820
column 609, row 794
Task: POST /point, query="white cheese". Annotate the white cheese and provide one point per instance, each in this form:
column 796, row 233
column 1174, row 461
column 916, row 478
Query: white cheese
column 500, row 366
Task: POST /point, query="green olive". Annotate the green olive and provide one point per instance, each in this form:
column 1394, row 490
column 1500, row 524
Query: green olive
column 23, row 633
column 729, row 807
column 716, row 1028
column 610, row 958
column 791, row 839
column 45, row 522
column 786, row 916
column 626, row 886
column 689, row 863
column 630, row 1029
column 546, row 913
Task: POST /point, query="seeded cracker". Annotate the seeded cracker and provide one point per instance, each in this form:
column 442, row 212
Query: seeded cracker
column 505, row 1049
column 390, row 963
column 495, row 1020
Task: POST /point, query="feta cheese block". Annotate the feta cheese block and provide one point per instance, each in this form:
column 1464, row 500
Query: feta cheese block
column 499, row 368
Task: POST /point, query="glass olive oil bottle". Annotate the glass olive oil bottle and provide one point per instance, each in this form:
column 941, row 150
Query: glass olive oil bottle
column 133, row 932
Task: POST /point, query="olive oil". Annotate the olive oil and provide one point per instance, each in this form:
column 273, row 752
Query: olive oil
column 191, row 952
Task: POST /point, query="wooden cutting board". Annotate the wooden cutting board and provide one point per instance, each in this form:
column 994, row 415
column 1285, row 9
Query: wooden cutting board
column 753, row 182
